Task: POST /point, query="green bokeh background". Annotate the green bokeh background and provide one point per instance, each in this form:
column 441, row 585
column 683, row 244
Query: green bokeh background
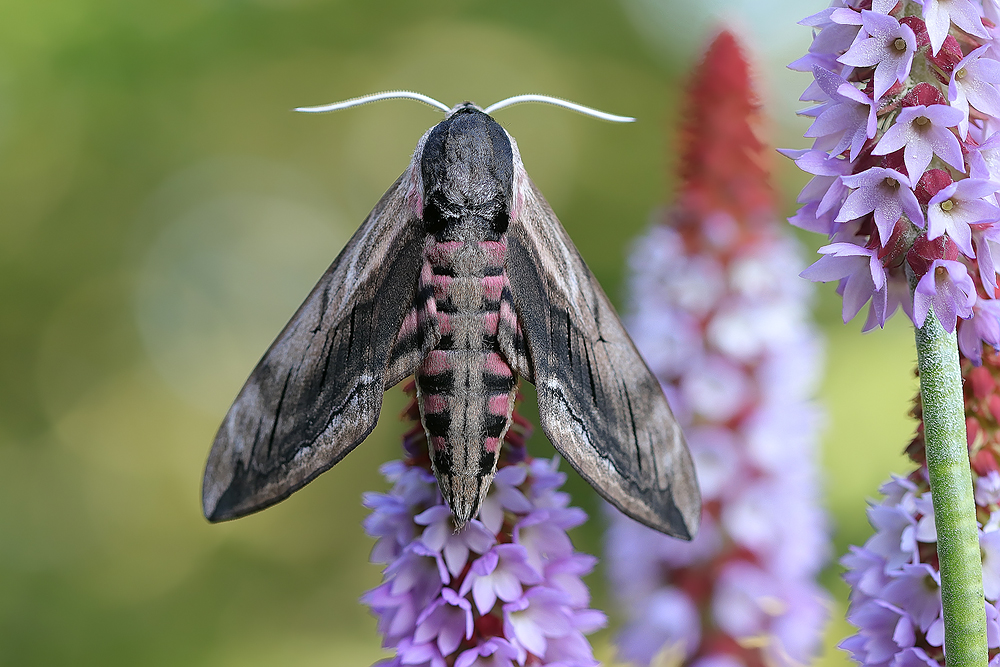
column 162, row 213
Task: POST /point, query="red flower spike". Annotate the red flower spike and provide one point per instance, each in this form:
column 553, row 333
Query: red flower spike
column 982, row 414
column 971, row 430
column 924, row 252
column 984, row 462
column 924, row 93
column 933, row 181
column 722, row 159
column 993, row 404
column 891, row 254
column 894, row 160
column 887, row 103
column 981, row 382
column 949, row 55
column 866, row 160
column 919, row 29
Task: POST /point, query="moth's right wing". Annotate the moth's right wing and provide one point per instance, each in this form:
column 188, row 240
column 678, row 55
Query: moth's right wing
column 318, row 390
column 600, row 405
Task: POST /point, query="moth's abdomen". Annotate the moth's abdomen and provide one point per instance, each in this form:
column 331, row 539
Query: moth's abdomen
column 466, row 388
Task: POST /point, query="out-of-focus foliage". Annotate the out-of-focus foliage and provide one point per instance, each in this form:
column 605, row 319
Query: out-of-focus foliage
column 162, row 214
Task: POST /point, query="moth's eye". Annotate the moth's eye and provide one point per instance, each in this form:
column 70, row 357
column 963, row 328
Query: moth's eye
column 501, row 221
column 433, row 218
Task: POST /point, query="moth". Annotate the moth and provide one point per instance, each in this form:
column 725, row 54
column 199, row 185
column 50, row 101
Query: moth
column 462, row 276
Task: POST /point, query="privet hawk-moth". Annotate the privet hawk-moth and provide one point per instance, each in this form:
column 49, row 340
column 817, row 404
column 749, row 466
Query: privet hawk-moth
column 462, row 276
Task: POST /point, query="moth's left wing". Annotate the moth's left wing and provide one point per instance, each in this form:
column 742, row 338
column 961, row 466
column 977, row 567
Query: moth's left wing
column 600, row 405
column 317, row 391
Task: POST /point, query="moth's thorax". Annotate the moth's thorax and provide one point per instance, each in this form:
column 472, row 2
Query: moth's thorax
column 465, row 387
column 467, row 172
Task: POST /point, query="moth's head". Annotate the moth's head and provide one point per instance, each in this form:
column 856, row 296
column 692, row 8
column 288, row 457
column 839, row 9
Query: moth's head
column 466, row 165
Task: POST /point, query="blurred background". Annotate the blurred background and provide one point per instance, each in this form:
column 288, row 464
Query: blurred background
column 163, row 213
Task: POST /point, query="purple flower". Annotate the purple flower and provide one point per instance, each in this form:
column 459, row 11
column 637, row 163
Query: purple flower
column 847, row 120
column 565, row 575
column 922, row 131
column 668, row 618
column 530, row 621
column 984, row 160
column 500, row 573
column 739, row 386
column 884, row 192
column 896, row 605
column 985, row 238
column 860, row 267
column 914, row 657
column 988, row 489
column 989, row 547
column 543, row 535
column 415, row 655
column 504, row 495
column 838, row 28
column 897, row 295
column 893, row 539
column 940, row 14
column 745, row 383
column 441, row 536
column 982, row 327
column 916, row 588
column 973, row 82
column 827, row 186
column 948, row 288
column 959, row 205
column 441, row 604
column 807, row 218
column 494, row 652
column 448, row 619
column 879, row 625
column 895, row 582
column 889, row 48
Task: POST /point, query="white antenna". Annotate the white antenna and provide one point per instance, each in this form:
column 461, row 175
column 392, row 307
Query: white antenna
column 376, row 97
column 510, row 101
column 573, row 106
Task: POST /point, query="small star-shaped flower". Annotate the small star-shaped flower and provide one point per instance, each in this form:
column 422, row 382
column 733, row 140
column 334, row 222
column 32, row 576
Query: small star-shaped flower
column 957, row 206
column 884, row 192
column 948, row 288
column 859, row 267
column 889, row 48
column 499, row 573
column 940, row 14
column 923, row 131
column 826, row 187
column 982, row 327
column 973, row 82
column 847, row 120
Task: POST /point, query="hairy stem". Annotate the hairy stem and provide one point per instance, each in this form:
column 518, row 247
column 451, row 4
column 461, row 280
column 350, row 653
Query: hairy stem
column 951, row 486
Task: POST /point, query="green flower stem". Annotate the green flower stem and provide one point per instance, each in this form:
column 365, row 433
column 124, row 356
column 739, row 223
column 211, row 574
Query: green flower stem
column 951, row 485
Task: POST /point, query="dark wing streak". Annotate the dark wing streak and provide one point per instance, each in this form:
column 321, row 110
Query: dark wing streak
column 604, row 429
column 318, row 389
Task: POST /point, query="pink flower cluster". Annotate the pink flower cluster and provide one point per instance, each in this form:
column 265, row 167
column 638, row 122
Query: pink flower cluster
column 722, row 319
column 906, row 160
column 895, row 577
column 505, row 590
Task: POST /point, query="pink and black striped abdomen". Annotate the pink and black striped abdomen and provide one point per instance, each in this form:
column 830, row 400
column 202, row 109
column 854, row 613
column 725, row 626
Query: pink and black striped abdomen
column 465, row 387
